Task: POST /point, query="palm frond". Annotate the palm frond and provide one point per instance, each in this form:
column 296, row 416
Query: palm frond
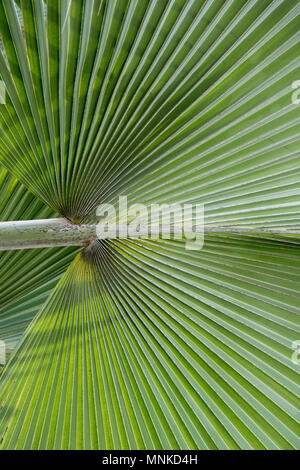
column 171, row 101
column 143, row 344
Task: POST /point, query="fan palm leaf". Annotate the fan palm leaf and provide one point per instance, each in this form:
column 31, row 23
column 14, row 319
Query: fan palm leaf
column 142, row 344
